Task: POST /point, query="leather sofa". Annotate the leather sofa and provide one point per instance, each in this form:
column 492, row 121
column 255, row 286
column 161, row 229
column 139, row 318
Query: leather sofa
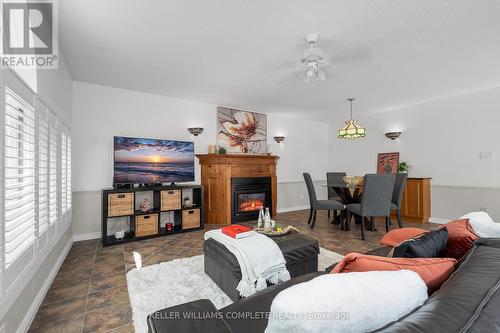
column 467, row 302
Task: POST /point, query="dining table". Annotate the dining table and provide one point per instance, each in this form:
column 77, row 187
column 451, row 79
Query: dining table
column 349, row 194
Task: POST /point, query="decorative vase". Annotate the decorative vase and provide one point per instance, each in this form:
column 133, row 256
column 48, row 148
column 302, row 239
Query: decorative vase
column 212, row 149
column 187, row 202
column 145, row 205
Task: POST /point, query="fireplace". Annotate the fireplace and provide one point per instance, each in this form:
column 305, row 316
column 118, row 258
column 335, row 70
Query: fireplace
column 249, row 194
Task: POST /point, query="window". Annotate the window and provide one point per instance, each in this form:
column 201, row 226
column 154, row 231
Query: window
column 19, row 176
column 35, row 187
column 64, row 193
column 43, row 207
column 66, row 171
column 52, row 171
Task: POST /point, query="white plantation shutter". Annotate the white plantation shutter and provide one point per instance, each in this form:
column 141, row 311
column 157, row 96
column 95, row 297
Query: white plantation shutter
column 64, row 174
column 20, row 191
column 68, row 173
column 43, row 207
column 35, row 182
column 53, row 195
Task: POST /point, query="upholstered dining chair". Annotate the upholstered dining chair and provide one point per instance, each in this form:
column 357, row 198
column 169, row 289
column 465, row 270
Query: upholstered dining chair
column 397, row 195
column 318, row 204
column 375, row 201
column 333, row 178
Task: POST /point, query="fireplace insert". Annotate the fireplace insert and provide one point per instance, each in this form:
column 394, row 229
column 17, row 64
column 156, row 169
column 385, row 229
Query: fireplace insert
column 249, row 194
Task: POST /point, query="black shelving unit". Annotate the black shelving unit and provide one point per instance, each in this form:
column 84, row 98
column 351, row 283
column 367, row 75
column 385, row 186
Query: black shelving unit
column 196, row 200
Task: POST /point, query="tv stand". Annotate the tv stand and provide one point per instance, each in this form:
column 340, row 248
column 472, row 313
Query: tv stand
column 167, row 215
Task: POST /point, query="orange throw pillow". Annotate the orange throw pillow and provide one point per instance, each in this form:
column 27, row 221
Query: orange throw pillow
column 398, row 236
column 434, row 271
column 461, row 238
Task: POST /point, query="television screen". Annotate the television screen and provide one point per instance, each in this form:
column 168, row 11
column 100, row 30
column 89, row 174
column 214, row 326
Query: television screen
column 149, row 161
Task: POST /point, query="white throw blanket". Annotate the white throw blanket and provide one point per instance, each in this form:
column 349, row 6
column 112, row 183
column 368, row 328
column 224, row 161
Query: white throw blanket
column 259, row 257
column 346, row 302
column 483, row 225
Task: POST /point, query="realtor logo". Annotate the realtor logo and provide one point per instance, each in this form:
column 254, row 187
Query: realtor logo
column 29, row 33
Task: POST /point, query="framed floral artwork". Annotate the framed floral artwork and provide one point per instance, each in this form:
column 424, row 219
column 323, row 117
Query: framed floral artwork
column 241, row 131
column 387, row 163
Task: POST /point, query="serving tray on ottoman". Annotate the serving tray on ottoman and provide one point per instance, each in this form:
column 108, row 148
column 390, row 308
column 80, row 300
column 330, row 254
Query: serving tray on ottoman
column 300, row 253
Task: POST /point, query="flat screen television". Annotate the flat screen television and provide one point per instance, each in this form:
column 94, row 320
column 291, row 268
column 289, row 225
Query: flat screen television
column 152, row 161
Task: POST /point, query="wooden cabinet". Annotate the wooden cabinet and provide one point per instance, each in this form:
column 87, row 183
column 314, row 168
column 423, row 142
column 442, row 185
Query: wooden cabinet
column 416, row 203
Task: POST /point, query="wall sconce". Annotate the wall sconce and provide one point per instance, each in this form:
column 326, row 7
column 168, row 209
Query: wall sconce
column 392, row 135
column 279, row 139
column 195, row 130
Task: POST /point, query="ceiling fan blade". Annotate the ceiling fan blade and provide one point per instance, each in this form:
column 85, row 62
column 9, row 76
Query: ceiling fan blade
column 293, row 79
column 351, row 55
column 278, row 66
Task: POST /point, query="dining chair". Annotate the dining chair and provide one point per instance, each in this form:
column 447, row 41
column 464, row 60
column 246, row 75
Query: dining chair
column 375, row 201
column 333, row 178
column 397, row 195
column 318, row 204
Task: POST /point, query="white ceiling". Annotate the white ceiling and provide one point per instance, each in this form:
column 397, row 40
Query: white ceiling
column 239, row 53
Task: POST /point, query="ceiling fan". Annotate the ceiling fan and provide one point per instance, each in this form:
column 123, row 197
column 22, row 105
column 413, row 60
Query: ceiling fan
column 312, row 66
column 312, row 58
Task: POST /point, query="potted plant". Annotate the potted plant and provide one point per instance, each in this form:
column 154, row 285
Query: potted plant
column 404, row 167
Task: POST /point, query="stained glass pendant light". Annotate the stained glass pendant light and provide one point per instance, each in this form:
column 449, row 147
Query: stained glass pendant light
column 351, row 130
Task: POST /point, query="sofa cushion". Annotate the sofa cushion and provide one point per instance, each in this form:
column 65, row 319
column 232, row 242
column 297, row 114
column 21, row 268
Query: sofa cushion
column 397, row 236
column 351, row 302
column 257, row 306
column 434, row 271
column 482, row 224
column 461, row 238
column 467, row 302
column 426, row 245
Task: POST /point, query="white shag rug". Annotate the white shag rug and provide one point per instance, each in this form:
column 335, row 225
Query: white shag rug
column 178, row 281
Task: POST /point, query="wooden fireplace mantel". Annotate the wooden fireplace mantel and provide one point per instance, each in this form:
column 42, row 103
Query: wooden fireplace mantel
column 216, row 173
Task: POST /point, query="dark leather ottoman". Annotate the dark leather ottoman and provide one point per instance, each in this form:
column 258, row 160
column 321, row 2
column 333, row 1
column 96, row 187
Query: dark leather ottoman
column 300, row 252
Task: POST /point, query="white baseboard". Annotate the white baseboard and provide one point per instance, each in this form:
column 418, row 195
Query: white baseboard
column 292, row 209
column 87, row 236
column 438, row 220
column 30, row 314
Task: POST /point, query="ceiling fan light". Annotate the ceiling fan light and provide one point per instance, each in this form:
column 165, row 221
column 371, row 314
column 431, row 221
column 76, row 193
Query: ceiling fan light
column 321, row 75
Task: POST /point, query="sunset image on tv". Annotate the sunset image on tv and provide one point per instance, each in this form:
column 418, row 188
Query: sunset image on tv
column 149, row 161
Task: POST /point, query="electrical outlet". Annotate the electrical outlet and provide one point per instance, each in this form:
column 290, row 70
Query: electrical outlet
column 483, row 209
column 301, row 196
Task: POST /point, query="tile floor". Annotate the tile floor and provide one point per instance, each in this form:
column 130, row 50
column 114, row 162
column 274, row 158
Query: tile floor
column 89, row 293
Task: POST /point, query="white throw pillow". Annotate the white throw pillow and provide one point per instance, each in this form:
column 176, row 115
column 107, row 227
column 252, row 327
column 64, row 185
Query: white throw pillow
column 483, row 225
column 346, row 302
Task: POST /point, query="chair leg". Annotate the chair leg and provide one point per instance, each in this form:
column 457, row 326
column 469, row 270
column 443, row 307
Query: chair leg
column 372, row 223
column 362, row 228
column 310, row 216
column 347, row 221
column 329, row 211
column 400, row 222
column 387, row 223
column 314, row 219
column 334, row 220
